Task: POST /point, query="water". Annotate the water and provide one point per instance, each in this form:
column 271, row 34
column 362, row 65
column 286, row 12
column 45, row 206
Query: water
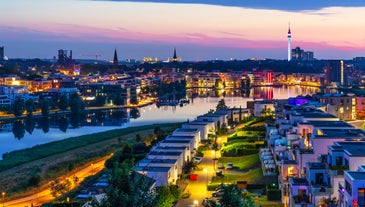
column 148, row 115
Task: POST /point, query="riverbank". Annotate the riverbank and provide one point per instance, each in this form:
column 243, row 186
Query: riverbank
column 54, row 159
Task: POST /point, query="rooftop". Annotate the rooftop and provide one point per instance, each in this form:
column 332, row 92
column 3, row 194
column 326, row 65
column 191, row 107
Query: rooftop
column 176, row 141
column 316, row 165
column 174, row 153
column 158, row 161
column 356, row 175
column 186, row 130
column 180, row 137
column 325, row 124
column 298, row 181
column 349, row 134
column 196, row 122
column 153, row 169
column 356, row 149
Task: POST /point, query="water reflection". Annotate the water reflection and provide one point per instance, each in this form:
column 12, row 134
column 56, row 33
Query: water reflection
column 200, row 101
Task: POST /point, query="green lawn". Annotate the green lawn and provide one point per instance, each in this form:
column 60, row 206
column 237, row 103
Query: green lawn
column 250, row 177
column 242, row 162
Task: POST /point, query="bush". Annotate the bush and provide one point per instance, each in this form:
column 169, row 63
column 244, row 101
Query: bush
column 273, row 194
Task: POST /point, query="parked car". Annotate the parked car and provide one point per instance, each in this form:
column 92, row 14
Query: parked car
column 220, row 166
column 218, row 193
column 219, row 173
column 198, row 159
column 229, row 166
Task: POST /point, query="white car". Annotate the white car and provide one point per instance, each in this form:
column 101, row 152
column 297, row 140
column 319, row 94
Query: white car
column 198, row 159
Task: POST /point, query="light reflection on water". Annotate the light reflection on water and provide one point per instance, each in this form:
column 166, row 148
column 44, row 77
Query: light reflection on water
column 151, row 115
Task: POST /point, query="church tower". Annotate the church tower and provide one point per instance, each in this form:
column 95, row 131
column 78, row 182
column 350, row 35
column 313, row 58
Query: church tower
column 174, row 58
column 115, row 60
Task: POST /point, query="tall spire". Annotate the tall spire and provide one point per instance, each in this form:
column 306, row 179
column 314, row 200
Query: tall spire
column 289, row 38
column 174, row 58
column 115, row 59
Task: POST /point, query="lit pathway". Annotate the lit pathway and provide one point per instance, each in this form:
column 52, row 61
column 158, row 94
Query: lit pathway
column 45, row 195
column 198, row 188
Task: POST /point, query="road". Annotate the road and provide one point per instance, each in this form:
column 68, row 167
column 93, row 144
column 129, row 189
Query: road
column 198, row 188
column 45, row 195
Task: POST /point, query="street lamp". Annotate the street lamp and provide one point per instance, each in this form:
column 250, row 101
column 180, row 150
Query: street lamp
column 196, row 202
column 3, row 194
column 206, row 171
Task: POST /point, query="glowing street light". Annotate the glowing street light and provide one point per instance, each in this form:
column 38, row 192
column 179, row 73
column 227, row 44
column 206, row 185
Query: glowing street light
column 206, row 171
column 196, row 202
column 3, row 194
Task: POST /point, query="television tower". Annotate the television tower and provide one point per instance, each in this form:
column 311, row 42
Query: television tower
column 289, row 50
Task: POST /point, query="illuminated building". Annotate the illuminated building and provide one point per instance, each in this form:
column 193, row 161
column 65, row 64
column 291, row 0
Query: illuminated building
column 335, row 72
column 301, row 55
column 289, row 50
column 175, row 58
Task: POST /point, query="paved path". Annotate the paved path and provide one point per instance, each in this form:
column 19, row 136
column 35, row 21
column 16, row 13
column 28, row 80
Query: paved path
column 45, row 195
column 198, row 188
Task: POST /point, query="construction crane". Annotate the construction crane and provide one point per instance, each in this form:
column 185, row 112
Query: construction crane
column 96, row 55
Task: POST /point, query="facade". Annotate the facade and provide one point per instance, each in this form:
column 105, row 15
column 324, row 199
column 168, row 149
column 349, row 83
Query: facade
column 342, row 106
column 300, row 55
column 335, row 72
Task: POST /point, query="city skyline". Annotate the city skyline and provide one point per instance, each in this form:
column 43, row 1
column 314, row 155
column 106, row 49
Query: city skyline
column 197, row 29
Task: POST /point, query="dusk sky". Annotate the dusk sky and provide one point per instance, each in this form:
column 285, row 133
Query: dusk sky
column 200, row 30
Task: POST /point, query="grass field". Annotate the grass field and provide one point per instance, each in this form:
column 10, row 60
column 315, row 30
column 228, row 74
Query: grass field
column 250, row 177
column 242, row 162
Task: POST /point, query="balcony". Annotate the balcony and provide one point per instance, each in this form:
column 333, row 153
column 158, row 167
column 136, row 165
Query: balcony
column 337, row 170
column 301, row 200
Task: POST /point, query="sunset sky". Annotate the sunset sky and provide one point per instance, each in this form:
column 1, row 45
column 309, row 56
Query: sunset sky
column 200, row 30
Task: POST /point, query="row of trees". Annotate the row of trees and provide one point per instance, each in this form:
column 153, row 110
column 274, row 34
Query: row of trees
column 75, row 103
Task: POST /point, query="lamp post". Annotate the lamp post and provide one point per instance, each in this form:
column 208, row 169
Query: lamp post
column 206, row 171
column 3, row 194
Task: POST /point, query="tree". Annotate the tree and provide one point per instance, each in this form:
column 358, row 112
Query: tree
column 221, row 105
column 45, row 107
column 30, row 106
column 240, row 115
column 231, row 197
column 18, row 129
column 63, row 123
column 18, row 107
column 63, row 103
column 29, row 123
column 76, row 104
column 128, row 188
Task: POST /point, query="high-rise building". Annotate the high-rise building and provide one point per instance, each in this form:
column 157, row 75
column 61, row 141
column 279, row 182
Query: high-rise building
column 301, row 55
column 1, row 53
column 289, row 38
column 335, row 72
column 115, row 59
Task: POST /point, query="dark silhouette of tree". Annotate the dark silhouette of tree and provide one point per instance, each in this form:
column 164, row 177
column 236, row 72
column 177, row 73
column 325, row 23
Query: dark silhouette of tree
column 63, row 103
column 44, row 123
column 30, row 106
column 18, row 107
column 221, row 105
column 63, row 123
column 99, row 101
column 138, row 138
column 240, row 115
column 128, row 188
column 75, row 120
column 76, row 104
column 18, row 129
column 231, row 197
column 134, row 113
column 29, row 123
column 45, row 107
column 117, row 100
